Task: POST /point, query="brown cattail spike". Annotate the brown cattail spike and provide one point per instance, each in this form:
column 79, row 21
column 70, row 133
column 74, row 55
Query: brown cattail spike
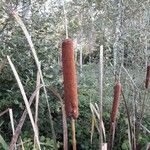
column 117, row 93
column 147, row 83
column 70, row 79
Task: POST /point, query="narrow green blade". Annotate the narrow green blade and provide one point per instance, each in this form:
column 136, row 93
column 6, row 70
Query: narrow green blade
column 4, row 145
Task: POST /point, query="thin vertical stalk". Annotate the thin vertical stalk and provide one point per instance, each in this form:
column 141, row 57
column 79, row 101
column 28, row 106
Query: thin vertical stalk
column 81, row 62
column 37, row 103
column 37, row 97
column 129, row 120
column 73, row 134
column 11, row 120
column 117, row 35
column 65, row 18
column 12, row 123
column 101, row 96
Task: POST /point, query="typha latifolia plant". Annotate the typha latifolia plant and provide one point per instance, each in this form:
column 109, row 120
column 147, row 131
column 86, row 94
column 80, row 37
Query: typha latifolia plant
column 70, row 84
column 147, row 86
column 114, row 112
column 147, row 82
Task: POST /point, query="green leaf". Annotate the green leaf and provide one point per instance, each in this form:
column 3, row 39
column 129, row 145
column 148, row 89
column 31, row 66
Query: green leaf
column 125, row 145
column 2, row 141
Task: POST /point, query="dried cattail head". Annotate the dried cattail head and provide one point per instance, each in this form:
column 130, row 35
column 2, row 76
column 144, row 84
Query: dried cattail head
column 147, row 82
column 70, row 79
column 117, row 93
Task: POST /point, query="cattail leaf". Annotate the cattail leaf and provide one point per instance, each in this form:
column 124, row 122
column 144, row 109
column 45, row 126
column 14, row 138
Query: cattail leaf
column 4, row 144
column 92, row 127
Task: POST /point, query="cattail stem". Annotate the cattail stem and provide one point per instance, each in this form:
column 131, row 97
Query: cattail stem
column 65, row 20
column 65, row 131
column 111, row 136
column 129, row 121
column 73, row 134
column 101, row 97
column 117, row 93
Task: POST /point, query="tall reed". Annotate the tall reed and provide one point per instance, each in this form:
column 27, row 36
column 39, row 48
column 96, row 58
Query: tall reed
column 117, row 93
column 70, row 85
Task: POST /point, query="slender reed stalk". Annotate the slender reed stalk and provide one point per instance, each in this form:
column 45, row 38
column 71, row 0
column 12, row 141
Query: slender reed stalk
column 131, row 142
column 65, row 131
column 25, row 100
column 4, row 112
column 28, row 37
column 73, row 134
column 101, row 97
column 65, row 19
column 12, row 122
column 37, row 103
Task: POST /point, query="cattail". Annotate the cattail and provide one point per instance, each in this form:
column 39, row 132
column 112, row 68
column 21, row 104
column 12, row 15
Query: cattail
column 147, row 83
column 70, row 79
column 117, row 93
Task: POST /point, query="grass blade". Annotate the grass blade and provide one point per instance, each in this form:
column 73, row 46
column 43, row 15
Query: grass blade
column 37, row 103
column 4, row 145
